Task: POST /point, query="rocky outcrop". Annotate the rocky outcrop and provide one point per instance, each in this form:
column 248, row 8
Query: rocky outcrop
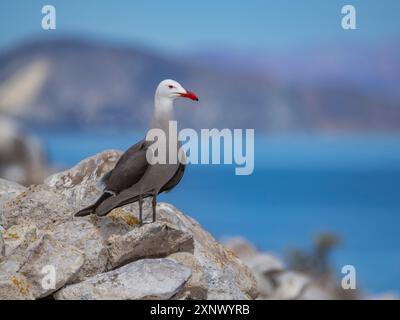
column 197, row 286
column 8, row 191
column 22, row 156
column 276, row 281
column 108, row 257
column 30, row 255
column 84, row 236
column 143, row 279
column 152, row 240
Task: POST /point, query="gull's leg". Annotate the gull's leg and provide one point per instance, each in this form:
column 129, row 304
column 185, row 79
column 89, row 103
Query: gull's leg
column 140, row 210
column 154, row 204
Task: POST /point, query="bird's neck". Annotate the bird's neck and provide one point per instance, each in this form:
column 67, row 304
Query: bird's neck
column 163, row 113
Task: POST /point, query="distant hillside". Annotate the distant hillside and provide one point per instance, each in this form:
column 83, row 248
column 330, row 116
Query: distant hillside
column 83, row 85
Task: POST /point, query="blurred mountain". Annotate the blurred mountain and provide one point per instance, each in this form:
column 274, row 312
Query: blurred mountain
column 365, row 67
column 84, row 85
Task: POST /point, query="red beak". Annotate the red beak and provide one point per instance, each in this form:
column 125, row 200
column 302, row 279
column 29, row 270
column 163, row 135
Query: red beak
column 190, row 95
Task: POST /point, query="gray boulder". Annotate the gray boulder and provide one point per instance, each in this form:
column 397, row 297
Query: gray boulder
column 276, row 281
column 14, row 287
column 227, row 277
column 17, row 240
column 144, row 279
column 197, row 287
column 38, row 205
column 85, row 236
column 104, row 243
column 47, row 256
column 8, row 190
column 22, row 156
column 150, row 240
column 38, row 267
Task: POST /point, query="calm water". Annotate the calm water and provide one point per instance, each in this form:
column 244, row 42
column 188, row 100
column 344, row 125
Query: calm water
column 301, row 186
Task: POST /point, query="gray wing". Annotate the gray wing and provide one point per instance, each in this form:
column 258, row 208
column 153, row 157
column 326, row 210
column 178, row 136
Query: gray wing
column 174, row 180
column 129, row 169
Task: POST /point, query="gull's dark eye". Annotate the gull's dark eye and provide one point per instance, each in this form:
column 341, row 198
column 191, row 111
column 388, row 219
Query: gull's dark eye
column 171, row 86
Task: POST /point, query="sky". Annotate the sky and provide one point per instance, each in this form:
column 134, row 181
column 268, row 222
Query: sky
column 176, row 26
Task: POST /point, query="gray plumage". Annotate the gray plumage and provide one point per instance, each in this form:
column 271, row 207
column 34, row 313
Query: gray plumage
column 133, row 177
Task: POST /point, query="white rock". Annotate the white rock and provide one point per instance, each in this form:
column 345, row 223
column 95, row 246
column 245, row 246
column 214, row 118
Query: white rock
column 227, row 277
column 22, row 157
column 27, row 265
column 8, row 191
column 19, row 236
column 314, row 291
column 9, row 188
column 85, row 236
column 241, row 247
column 52, row 204
column 290, row 285
column 149, row 240
column 196, row 288
column 48, row 256
column 17, row 241
column 39, row 205
column 81, row 184
column 14, row 287
column 143, row 279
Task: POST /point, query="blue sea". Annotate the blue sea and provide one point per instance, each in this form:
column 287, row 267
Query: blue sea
column 301, row 186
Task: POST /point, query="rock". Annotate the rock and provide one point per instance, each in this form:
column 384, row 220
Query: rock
column 14, row 287
column 150, row 240
column 315, row 291
column 289, row 285
column 86, row 237
column 117, row 222
column 46, row 256
column 270, row 272
column 241, row 247
column 143, row 279
column 227, row 277
column 265, row 263
column 61, row 195
column 50, row 207
column 2, row 247
column 27, row 263
column 18, row 238
column 196, row 288
column 8, row 190
column 260, row 263
column 264, row 266
column 38, row 205
column 22, row 156
column 81, row 184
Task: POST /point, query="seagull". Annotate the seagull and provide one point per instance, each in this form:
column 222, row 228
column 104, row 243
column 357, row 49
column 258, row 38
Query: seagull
column 133, row 177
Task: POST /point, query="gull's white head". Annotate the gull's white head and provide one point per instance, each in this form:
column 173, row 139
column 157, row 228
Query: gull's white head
column 171, row 90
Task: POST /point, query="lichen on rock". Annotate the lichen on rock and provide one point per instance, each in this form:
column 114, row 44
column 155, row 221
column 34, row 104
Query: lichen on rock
column 174, row 258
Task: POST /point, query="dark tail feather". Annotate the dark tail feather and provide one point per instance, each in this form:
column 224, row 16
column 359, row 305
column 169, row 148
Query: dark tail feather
column 127, row 196
column 91, row 209
column 111, row 204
